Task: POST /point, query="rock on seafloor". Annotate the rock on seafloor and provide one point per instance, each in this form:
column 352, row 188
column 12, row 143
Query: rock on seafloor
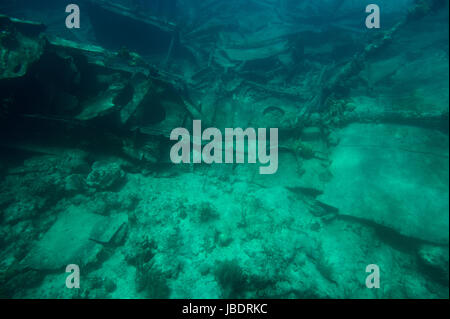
column 75, row 238
column 105, row 175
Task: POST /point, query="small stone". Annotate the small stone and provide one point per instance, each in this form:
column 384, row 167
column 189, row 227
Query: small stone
column 311, row 133
column 105, row 175
column 437, row 258
column 75, row 183
column 110, row 285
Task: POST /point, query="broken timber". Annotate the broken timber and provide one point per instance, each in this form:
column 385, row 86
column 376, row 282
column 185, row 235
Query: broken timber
column 119, row 9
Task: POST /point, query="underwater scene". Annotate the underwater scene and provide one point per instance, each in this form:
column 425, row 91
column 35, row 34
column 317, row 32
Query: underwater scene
column 224, row 149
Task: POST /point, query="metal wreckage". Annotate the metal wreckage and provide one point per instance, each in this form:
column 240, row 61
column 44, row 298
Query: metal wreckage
column 107, row 98
column 127, row 98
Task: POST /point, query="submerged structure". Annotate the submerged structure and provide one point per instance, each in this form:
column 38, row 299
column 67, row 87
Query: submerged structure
column 363, row 149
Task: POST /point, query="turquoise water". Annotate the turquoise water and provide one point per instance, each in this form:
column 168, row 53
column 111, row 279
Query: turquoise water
column 349, row 108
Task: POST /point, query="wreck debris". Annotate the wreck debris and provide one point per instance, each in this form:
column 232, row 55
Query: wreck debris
column 399, row 180
column 18, row 50
column 90, row 84
column 142, row 16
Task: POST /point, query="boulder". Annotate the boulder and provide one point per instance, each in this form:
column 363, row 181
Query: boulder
column 75, row 238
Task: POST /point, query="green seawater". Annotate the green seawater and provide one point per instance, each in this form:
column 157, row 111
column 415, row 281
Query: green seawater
column 92, row 204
